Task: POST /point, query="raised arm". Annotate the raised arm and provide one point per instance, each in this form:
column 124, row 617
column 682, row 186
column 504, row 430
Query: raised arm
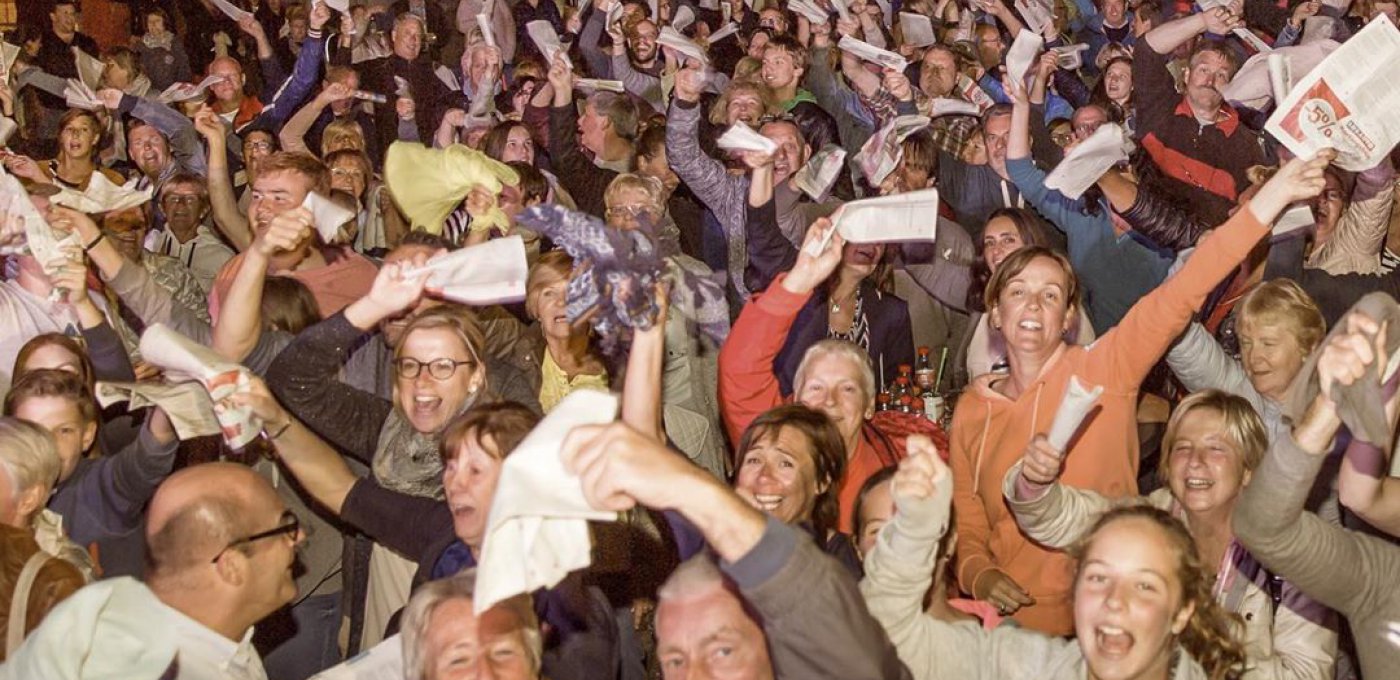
column 232, row 223
column 316, row 466
column 178, row 129
column 641, row 389
column 239, row 326
column 705, row 176
column 747, row 385
column 293, row 134
column 770, row 253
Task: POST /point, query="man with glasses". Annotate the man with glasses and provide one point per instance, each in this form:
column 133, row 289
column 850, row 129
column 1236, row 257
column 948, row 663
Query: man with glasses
column 187, row 238
column 220, row 551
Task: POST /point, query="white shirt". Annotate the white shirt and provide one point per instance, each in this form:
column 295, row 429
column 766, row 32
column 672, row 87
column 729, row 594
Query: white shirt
column 206, row 655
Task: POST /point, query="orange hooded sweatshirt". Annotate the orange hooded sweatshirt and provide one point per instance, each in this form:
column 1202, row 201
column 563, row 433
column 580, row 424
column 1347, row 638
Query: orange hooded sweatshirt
column 991, row 432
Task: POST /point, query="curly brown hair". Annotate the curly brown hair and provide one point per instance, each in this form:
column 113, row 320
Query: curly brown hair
column 1211, row 634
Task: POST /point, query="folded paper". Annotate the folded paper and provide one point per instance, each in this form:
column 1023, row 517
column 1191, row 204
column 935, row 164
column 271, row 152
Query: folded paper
column 814, row 14
column 598, row 84
column 1075, row 405
column 917, row 29
column 741, row 137
column 187, row 404
column 1297, row 216
column 884, row 150
column 670, row 37
column 873, row 54
column 547, row 41
column 39, row 238
column 911, row 216
column 537, row 530
column 231, row 10
column 1022, row 55
column 724, row 32
column 78, row 95
column 489, row 273
column 685, row 16
column 184, row 360
column 327, row 217
column 90, row 68
column 180, row 92
column 1088, row 161
column 819, row 174
column 947, row 106
column 1070, row 57
column 101, row 196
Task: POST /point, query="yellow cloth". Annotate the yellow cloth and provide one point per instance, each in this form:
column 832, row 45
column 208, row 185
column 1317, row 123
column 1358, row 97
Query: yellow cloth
column 428, row 184
column 555, row 383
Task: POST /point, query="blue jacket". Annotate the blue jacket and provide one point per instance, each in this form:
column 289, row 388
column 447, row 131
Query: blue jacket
column 1116, row 270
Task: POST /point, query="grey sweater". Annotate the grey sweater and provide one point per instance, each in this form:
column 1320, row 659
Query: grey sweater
column 1350, row 572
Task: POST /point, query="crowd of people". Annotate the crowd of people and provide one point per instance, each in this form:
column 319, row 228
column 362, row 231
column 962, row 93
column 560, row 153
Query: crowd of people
column 833, row 458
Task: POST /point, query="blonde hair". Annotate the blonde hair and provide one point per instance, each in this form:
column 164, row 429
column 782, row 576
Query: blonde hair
column 719, row 112
column 427, row 598
column 28, row 454
column 1283, row 300
column 461, row 322
column 631, row 180
column 342, row 130
column 552, row 267
column 1210, row 635
column 1243, row 427
column 846, row 350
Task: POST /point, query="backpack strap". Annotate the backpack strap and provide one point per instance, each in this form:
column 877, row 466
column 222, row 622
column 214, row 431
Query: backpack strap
column 19, row 604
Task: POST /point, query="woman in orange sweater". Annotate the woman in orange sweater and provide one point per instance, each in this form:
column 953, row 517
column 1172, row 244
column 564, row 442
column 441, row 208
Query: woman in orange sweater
column 1031, row 300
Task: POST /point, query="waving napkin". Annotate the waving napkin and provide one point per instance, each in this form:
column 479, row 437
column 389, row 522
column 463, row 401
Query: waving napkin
column 911, row 216
column 599, row 84
column 873, row 54
column 1360, row 404
column 489, row 273
column 1089, row 160
column 544, row 37
column 883, row 151
column 39, row 238
column 537, row 531
column 819, row 174
column 672, row 38
column 327, row 216
column 180, row 92
column 741, row 137
column 101, row 196
column 183, row 360
column 428, row 184
column 187, row 404
column 78, row 95
column 1077, row 403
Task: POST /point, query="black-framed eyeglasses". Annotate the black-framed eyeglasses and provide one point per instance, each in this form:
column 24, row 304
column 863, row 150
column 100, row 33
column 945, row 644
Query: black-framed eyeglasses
column 439, row 369
column 289, row 524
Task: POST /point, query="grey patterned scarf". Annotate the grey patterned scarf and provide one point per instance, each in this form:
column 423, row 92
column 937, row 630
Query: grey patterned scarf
column 407, row 460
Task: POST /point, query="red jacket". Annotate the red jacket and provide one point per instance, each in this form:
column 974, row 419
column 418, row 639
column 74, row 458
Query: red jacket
column 748, row 386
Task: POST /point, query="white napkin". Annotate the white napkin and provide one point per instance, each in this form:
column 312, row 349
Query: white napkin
column 1022, row 55
column 40, row 239
column 341, row 6
column 231, row 10
column 101, row 196
column 1070, row 57
column 183, row 360
column 724, row 32
column 816, row 15
column 1077, row 403
column 882, row 152
column 79, row 96
column 871, row 53
column 547, row 41
column 488, row 273
column 1089, row 161
column 1037, row 15
column 596, row 84
column 673, row 39
column 187, row 404
column 947, row 106
column 180, row 92
column 917, row 29
column 89, row 68
column 841, row 9
column 1280, row 75
column 328, row 216
column 537, row 531
column 741, row 137
column 401, row 88
column 911, row 216
column 483, row 22
column 1256, row 83
column 685, row 16
column 8, row 54
column 7, row 130
column 447, row 77
column 819, row 174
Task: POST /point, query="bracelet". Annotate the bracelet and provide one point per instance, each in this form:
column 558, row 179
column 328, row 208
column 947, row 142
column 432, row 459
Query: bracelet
column 93, row 243
column 283, row 429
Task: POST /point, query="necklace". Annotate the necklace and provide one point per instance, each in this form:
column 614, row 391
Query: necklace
column 836, row 302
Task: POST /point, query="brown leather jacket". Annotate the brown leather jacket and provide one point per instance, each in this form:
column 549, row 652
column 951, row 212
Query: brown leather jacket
column 56, row 581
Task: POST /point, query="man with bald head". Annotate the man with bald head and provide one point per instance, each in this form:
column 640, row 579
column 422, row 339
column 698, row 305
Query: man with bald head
column 220, row 550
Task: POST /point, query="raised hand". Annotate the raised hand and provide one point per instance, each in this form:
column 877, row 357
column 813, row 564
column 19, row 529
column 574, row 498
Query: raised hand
column 1348, row 356
column 814, row 262
column 110, row 97
column 690, row 81
column 997, row 588
column 320, row 15
column 286, row 232
column 1299, row 179
column 1040, row 467
column 1220, row 20
column 897, row 84
column 922, row 488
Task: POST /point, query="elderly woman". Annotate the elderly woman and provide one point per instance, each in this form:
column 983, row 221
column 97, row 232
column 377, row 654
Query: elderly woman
column 29, row 534
column 1349, row 571
column 443, row 636
column 1213, row 444
column 1142, row 600
column 1032, row 299
column 564, row 354
column 834, row 376
column 79, row 141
